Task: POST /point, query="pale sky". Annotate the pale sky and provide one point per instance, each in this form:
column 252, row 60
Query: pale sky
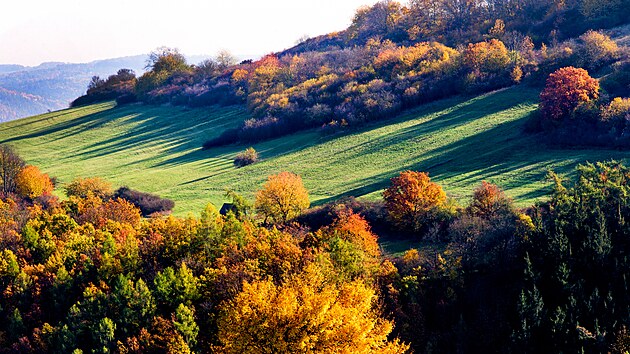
column 36, row 31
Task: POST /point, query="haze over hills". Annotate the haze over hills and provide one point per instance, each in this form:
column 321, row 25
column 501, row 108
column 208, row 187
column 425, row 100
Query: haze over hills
column 27, row 91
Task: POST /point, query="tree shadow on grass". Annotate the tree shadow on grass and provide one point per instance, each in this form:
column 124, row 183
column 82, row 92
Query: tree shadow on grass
column 440, row 115
column 65, row 129
column 488, row 155
column 171, row 130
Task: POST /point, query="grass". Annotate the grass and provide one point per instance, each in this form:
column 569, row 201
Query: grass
column 459, row 141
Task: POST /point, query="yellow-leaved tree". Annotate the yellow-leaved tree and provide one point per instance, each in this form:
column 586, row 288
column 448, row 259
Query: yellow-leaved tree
column 306, row 314
column 282, row 197
column 32, row 183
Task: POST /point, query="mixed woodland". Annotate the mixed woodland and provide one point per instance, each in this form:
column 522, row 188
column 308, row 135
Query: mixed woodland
column 103, row 270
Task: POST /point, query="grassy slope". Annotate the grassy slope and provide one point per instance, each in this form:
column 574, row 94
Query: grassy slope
column 459, row 141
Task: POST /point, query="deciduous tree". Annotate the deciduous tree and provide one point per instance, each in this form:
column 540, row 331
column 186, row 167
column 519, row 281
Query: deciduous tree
column 32, row 183
column 411, row 197
column 282, row 197
column 565, row 89
column 306, row 314
column 82, row 187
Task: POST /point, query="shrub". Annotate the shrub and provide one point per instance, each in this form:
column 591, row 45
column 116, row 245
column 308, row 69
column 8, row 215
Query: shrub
column 247, row 157
column 597, row 49
column 616, row 110
column 566, row 88
column 82, row 187
column 147, row 203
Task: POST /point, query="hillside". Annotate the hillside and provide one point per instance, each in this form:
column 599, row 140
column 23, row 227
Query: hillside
column 459, row 141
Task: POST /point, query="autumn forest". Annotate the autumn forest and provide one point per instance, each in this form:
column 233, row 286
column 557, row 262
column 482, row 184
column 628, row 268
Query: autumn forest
column 86, row 267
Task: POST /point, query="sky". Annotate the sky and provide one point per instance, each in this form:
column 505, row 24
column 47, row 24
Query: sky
column 77, row 31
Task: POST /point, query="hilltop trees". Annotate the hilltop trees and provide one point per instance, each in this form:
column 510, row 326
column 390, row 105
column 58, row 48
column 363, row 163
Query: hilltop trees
column 121, row 84
column 164, row 64
column 164, row 59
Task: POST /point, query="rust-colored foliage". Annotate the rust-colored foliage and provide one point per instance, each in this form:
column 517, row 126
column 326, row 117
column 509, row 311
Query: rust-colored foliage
column 566, row 88
column 32, row 183
column 282, row 197
column 411, row 196
column 488, row 199
column 98, row 213
column 356, row 229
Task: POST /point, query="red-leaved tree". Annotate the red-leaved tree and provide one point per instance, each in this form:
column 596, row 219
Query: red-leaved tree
column 565, row 90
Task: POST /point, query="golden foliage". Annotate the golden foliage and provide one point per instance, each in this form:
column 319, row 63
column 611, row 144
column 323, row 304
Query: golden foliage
column 618, row 108
column 92, row 209
column 82, row 187
column 32, row 183
column 307, row 314
column 282, row 197
column 597, row 47
column 416, row 60
column 490, row 56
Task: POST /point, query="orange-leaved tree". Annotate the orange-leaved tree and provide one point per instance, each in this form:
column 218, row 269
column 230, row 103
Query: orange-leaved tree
column 32, row 183
column 282, row 197
column 411, row 197
column 565, row 90
column 306, row 314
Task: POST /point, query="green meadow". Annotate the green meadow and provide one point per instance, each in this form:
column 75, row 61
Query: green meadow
column 459, row 141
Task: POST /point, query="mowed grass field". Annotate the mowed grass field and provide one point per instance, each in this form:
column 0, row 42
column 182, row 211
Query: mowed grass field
column 459, row 141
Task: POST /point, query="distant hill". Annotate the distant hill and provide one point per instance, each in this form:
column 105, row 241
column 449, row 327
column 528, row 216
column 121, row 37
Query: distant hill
column 5, row 69
column 26, row 91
